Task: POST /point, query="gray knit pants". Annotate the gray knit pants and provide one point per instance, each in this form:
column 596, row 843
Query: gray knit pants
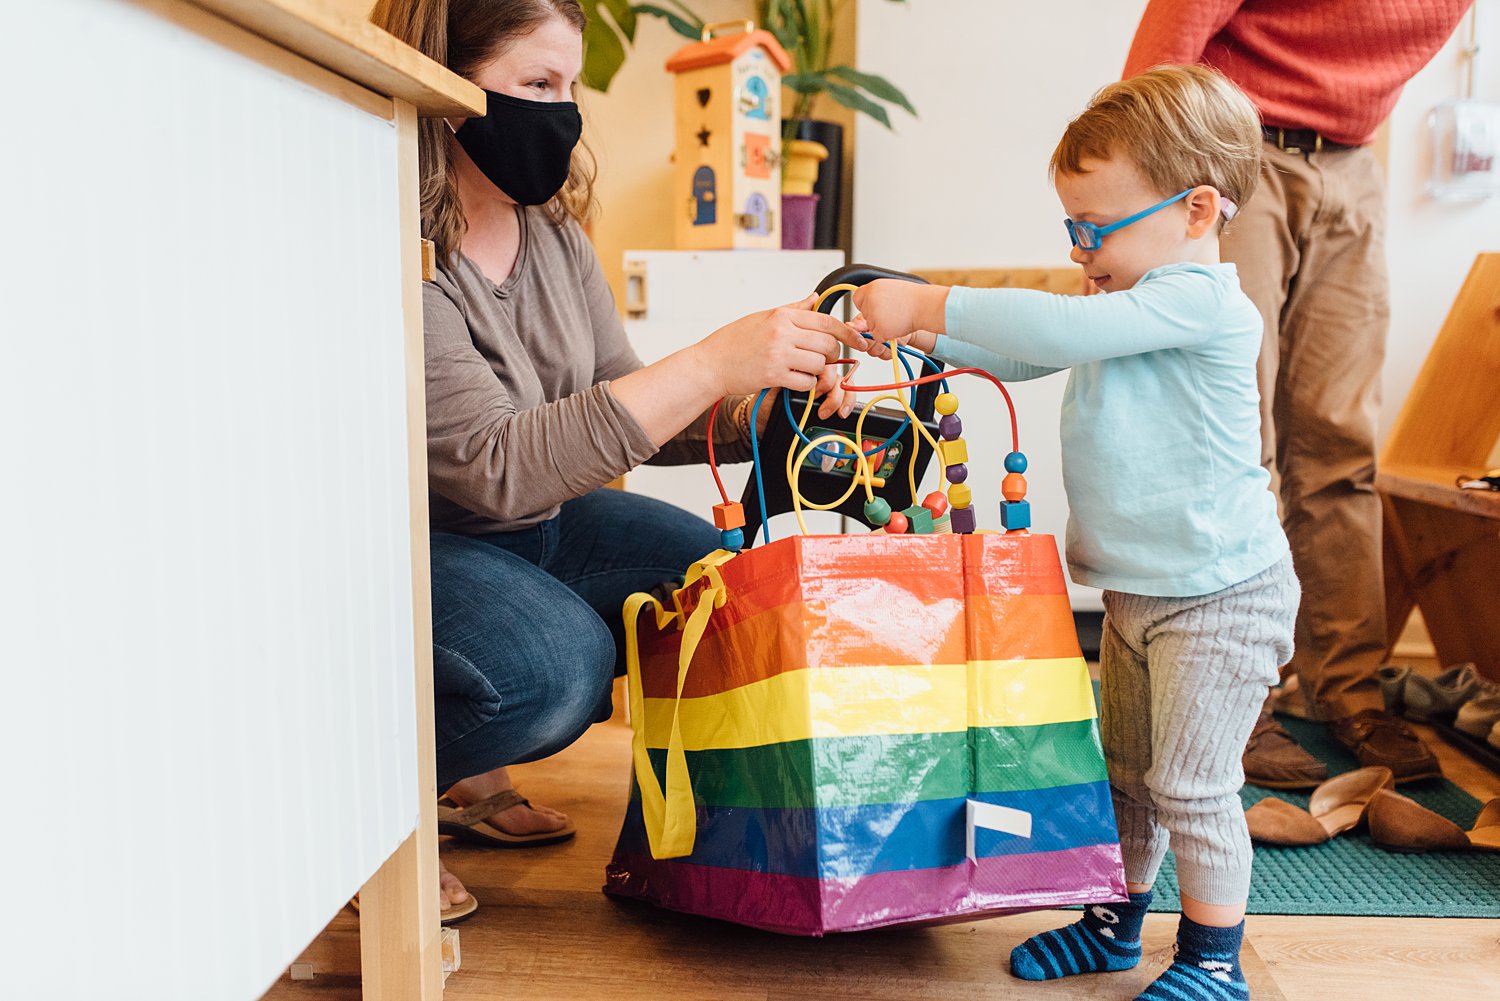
column 1182, row 683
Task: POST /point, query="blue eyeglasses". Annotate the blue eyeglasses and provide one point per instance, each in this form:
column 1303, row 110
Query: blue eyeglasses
column 1089, row 237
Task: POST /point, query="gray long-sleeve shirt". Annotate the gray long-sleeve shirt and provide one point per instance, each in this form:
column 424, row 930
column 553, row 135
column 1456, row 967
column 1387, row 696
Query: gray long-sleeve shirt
column 520, row 416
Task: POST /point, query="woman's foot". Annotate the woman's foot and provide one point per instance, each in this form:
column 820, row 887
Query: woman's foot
column 451, row 892
column 519, row 820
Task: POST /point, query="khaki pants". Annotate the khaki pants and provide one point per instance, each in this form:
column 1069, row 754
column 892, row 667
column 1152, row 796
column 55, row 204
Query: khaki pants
column 1310, row 250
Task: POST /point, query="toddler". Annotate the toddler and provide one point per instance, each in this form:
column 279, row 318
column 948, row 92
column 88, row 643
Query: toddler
column 1172, row 514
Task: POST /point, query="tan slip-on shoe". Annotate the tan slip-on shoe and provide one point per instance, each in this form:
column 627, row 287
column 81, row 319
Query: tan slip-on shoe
column 1399, row 824
column 1336, row 806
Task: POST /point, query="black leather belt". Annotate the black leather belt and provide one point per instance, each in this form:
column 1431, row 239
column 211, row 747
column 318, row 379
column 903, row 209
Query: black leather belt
column 1300, row 140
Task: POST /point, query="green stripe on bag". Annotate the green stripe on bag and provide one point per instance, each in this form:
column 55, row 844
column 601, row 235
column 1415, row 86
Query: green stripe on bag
column 893, row 768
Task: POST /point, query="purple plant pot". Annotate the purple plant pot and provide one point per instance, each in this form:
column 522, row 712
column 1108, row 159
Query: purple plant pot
column 799, row 214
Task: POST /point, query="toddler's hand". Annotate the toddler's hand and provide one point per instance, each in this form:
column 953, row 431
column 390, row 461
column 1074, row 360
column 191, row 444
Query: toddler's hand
column 869, row 343
column 894, row 308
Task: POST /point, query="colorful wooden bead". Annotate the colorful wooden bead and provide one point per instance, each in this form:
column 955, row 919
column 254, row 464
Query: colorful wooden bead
column 918, row 520
column 727, row 516
column 877, row 511
column 951, row 426
column 957, row 473
column 962, row 521
column 1015, row 515
column 897, row 525
column 1015, row 462
column 946, row 404
column 936, row 503
column 954, row 452
column 876, row 459
column 960, row 495
column 732, row 539
column 1013, row 486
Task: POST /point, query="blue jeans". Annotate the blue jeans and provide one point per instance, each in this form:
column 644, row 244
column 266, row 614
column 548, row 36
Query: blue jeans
column 526, row 626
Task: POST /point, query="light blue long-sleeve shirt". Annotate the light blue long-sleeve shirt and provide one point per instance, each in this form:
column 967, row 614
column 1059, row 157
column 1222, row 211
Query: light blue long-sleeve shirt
column 1160, row 422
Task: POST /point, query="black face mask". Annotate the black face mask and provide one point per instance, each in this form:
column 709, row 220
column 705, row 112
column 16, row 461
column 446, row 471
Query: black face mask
column 523, row 147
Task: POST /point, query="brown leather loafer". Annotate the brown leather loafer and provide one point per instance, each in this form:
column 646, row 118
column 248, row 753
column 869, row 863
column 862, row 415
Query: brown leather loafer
column 1273, row 759
column 1378, row 738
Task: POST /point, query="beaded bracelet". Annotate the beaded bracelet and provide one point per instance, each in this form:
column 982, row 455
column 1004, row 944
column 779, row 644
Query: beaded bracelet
column 741, row 418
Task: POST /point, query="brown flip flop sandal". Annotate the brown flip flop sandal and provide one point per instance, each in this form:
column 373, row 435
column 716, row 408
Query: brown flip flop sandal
column 1399, row 824
column 468, row 823
column 1335, row 806
column 452, row 916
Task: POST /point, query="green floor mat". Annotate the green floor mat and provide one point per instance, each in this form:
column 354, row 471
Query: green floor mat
column 1349, row 875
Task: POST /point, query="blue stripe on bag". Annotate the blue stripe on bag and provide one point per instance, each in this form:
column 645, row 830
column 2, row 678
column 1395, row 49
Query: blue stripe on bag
column 860, row 840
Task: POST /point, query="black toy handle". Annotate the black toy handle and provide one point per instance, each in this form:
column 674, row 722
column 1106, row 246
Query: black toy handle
column 857, row 274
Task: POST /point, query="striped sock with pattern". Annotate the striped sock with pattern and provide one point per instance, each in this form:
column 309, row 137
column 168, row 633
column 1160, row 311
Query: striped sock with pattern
column 1207, row 966
column 1107, row 938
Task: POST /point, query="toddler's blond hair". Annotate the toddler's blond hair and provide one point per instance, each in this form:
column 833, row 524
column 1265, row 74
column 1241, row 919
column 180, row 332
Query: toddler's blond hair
column 1181, row 125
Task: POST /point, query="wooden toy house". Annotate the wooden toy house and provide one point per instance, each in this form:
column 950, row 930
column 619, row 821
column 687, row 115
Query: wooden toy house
column 726, row 177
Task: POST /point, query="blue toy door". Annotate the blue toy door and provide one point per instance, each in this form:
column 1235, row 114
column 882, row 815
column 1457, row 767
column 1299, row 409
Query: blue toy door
column 704, row 197
column 755, row 99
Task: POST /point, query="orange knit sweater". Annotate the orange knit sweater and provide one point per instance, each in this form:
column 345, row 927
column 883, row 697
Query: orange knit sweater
column 1336, row 66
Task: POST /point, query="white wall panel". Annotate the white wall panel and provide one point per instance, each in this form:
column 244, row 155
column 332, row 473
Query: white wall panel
column 965, row 183
column 205, row 582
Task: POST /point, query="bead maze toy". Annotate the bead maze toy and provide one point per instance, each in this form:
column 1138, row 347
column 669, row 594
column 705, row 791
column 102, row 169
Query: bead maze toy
column 843, row 462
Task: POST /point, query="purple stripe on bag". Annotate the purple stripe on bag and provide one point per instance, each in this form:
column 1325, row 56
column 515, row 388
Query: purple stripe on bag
column 798, row 905
column 1087, row 875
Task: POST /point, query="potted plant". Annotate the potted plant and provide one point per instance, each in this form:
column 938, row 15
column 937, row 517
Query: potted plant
column 805, row 28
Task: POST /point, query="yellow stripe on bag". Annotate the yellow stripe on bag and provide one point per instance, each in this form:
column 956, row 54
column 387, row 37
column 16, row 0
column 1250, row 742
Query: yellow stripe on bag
column 866, row 701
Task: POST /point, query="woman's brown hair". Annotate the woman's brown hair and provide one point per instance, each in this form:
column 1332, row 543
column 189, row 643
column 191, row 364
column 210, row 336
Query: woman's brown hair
column 463, row 35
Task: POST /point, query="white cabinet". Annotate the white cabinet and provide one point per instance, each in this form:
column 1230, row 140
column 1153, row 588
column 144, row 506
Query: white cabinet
column 217, row 723
column 674, row 298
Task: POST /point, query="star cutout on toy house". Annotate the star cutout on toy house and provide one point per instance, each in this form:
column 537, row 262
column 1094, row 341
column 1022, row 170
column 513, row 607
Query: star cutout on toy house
column 703, row 135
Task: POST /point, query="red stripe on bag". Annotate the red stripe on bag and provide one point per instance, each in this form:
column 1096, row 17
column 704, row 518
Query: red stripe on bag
column 1012, row 564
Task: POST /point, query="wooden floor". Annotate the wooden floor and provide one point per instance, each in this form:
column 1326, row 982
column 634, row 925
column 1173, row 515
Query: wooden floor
column 545, row 931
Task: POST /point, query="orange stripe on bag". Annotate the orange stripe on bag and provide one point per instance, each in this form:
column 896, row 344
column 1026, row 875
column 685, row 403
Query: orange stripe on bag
column 1021, row 627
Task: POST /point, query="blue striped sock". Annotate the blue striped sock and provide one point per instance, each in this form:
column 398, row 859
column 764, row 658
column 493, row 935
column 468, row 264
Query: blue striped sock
column 1107, row 938
column 1207, row 967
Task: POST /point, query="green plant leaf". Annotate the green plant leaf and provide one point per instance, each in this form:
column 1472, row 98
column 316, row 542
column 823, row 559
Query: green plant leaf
column 878, row 86
column 623, row 13
column 805, row 83
column 603, row 53
column 853, row 99
column 687, row 24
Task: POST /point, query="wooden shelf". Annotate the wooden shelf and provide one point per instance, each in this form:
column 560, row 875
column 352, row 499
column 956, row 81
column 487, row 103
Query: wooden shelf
column 328, row 33
column 1435, row 486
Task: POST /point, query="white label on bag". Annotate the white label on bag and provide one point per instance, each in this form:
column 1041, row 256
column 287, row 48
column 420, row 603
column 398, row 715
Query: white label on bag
column 993, row 817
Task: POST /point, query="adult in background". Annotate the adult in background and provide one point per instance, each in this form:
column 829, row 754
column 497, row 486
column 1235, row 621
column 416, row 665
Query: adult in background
column 535, row 401
column 1310, row 249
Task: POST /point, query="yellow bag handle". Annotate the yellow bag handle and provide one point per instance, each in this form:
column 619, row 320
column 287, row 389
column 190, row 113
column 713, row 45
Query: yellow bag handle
column 670, row 816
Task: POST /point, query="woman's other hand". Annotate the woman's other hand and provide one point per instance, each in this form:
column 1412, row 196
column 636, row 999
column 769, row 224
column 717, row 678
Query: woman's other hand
column 835, row 396
column 787, row 347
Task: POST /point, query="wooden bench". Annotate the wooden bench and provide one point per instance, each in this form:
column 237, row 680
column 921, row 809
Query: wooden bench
column 1442, row 544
